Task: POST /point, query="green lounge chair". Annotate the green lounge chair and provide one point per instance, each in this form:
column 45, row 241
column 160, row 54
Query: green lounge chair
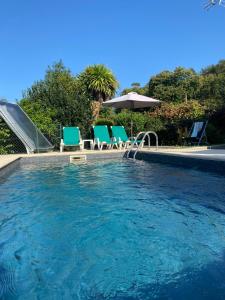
column 71, row 138
column 101, row 137
column 120, row 135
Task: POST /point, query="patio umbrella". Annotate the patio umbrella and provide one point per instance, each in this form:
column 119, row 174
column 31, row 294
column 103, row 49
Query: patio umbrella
column 131, row 101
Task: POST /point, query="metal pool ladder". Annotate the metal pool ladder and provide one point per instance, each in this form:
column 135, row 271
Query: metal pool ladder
column 141, row 144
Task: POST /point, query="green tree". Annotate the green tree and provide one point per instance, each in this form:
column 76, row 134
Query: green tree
column 62, row 96
column 176, row 86
column 216, row 69
column 140, row 91
column 212, row 83
column 55, row 91
column 42, row 116
column 135, row 85
column 137, row 88
column 99, row 81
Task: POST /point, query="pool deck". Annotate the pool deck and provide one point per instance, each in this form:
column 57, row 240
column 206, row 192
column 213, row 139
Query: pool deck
column 201, row 152
column 206, row 154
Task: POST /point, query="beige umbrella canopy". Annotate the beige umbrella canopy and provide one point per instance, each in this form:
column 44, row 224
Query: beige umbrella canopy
column 132, row 100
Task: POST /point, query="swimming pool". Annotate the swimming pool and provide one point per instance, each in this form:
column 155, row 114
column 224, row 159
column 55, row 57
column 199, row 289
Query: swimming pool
column 112, row 229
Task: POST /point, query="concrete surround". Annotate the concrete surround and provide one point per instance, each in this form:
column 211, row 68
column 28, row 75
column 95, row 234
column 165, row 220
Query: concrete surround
column 191, row 157
column 8, row 163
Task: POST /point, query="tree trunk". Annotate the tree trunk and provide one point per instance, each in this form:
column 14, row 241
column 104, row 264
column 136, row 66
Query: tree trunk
column 96, row 106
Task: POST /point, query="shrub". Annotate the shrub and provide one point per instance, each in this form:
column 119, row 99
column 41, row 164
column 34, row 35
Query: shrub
column 216, row 127
column 153, row 123
column 171, row 121
column 214, row 135
column 107, row 113
column 130, row 119
column 174, row 113
column 177, row 119
column 9, row 142
column 42, row 117
column 104, row 121
column 5, row 144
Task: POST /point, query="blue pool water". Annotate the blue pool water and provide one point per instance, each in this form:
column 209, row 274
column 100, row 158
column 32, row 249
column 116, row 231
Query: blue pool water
column 112, row 230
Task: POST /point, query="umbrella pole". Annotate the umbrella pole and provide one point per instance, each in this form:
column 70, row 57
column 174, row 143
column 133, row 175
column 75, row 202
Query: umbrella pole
column 131, row 128
column 131, row 122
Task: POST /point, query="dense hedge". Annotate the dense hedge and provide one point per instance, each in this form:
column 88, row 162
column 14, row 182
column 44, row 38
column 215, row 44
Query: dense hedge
column 172, row 121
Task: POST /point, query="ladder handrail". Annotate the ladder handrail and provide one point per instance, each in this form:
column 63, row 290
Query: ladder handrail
column 134, row 142
column 146, row 134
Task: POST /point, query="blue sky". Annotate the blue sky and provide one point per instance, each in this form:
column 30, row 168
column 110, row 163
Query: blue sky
column 135, row 39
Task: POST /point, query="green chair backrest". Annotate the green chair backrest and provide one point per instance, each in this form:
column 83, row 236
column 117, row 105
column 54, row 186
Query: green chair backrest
column 101, row 132
column 71, row 136
column 119, row 132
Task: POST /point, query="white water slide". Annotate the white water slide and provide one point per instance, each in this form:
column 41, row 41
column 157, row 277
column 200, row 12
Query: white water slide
column 24, row 128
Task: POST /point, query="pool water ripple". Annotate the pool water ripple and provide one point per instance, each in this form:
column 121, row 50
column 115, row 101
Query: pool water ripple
column 112, row 230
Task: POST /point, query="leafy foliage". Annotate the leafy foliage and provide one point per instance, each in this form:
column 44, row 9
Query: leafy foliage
column 62, row 97
column 9, row 142
column 138, row 121
column 130, row 119
column 212, row 81
column 5, row 134
column 177, row 118
column 99, row 81
column 104, row 121
column 180, row 85
column 216, row 127
column 135, row 87
column 177, row 89
column 184, row 111
column 43, row 117
column 217, row 69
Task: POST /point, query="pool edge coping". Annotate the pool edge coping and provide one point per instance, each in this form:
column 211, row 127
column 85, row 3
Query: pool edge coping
column 192, row 161
column 11, row 163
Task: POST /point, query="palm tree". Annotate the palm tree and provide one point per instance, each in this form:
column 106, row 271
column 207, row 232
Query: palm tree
column 100, row 82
